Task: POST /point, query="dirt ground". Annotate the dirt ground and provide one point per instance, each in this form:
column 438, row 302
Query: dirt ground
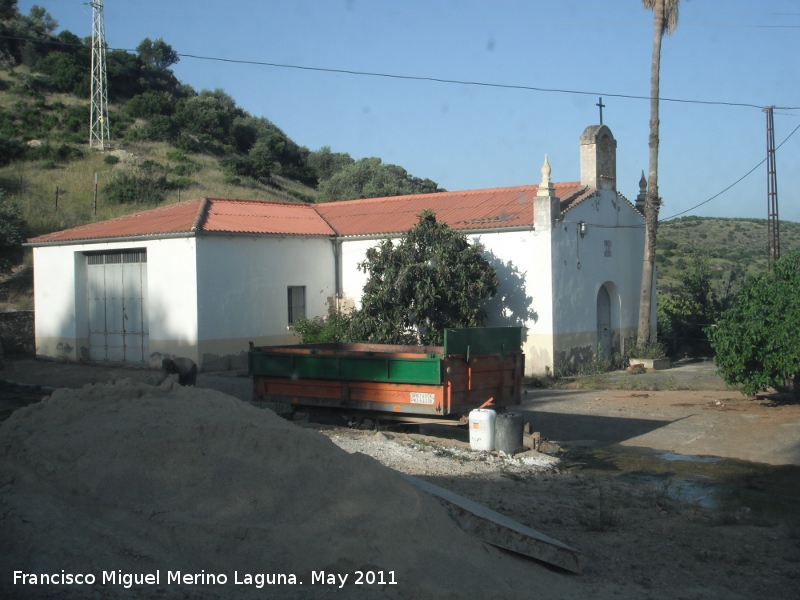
column 672, row 485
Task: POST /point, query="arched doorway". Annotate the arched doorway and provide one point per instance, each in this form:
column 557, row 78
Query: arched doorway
column 603, row 324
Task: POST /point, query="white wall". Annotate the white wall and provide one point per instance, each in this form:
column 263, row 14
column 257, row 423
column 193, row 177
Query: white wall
column 522, row 259
column 607, row 217
column 242, row 291
column 60, row 298
column 352, row 280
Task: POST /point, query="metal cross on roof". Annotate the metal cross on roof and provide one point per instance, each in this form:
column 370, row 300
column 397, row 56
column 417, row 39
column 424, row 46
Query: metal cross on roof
column 601, row 105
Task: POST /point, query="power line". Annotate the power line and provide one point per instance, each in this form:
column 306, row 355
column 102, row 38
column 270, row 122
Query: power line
column 475, row 83
column 731, row 185
column 431, row 79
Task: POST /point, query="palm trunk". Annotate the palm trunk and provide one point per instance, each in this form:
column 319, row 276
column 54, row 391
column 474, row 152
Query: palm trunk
column 652, row 201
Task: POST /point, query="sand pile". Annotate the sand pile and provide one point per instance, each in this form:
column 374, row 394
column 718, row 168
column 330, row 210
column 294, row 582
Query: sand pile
column 137, row 479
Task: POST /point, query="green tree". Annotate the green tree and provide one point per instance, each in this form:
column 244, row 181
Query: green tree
column 372, row 178
column 159, row 54
column 326, row 164
column 8, row 9
column 665, row 20
column 431, row 279
column 756, row 338
column 42, row 18
column 12, row 234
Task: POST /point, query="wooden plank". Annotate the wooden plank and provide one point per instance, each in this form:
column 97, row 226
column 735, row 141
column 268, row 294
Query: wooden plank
column 501, row 531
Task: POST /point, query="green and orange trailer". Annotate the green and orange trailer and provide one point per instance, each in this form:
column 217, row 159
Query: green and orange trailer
column 475, row 367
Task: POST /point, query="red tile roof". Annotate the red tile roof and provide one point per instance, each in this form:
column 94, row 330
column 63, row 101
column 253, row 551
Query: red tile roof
column 175, row 218
column 494, row 208
column 205, row 214
column 471, row 209
column 253, row 216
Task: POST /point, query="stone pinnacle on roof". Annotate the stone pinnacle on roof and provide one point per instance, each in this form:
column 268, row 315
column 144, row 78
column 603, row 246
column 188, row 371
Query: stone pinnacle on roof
column 642, row 194
column 546, row 187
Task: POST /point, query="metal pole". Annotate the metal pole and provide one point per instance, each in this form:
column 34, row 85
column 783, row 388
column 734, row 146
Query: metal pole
column 773, row 224
column 95, row 194
column 56, row 198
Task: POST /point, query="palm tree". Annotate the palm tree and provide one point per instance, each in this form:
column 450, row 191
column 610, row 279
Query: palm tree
column 665, row 19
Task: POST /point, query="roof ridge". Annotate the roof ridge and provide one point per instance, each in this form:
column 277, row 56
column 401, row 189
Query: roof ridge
column 256, row 201
column 530, row 186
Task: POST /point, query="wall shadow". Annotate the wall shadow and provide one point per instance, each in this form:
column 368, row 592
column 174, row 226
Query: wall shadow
column 511, row 307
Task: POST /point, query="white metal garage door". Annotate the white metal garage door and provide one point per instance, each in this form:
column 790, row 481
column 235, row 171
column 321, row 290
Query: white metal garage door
column 117, row 287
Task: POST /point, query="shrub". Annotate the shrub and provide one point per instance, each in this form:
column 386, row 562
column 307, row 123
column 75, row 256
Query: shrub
column 334, row 328
column 12, row 234
column 652, row 349
column 110, row 159
column 756, row 338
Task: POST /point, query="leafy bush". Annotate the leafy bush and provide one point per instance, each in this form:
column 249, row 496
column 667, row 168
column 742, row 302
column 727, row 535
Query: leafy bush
column 110, row 159
column 12, row 234
column 371, row 178
column 319, row 330
column 756, row 338
column 651, row 349
column 430, row 280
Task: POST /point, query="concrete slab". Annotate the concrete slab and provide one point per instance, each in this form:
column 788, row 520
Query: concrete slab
column 501, row 531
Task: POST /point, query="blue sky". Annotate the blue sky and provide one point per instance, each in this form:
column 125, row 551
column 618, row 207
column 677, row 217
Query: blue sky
column 475, row 137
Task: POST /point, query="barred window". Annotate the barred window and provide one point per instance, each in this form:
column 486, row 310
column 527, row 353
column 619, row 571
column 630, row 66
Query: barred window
column 297, row 303
column 116, row 257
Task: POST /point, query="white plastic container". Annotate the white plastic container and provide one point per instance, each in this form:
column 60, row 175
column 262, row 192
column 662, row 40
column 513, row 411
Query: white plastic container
column 481, row 429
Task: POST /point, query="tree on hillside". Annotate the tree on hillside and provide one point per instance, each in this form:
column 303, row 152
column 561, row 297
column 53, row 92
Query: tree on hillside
column 665, row 20
column 158, row 54
column 431, row 279
column 372, row 178
column 326, row 164
column 8, row 9
column 40, row 16
column 756, row 338
column 12, row 234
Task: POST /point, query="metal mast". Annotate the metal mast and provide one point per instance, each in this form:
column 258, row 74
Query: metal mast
column 773, row 226
column 98, row 122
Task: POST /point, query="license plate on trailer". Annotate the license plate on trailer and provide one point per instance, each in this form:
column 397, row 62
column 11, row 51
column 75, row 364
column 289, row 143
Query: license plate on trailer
column 422, row 398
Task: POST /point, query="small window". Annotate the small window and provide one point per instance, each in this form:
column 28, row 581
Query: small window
column 607, row 244
column 297, row 303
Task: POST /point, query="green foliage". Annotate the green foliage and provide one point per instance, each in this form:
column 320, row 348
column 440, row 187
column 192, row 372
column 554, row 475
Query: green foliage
column 147, row 185
column 325, row 164
column 651, row 349
column 12, row 234
column 68, row 73
column 158, row 54
column 430, row 280
column 700, row 297
column 319, row 330
column 150, row 104
column 43, row 18
column 756, row 338
column 371, row 178
column 110, row 159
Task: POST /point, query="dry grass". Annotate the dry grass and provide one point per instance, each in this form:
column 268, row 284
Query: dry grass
column 34, row 188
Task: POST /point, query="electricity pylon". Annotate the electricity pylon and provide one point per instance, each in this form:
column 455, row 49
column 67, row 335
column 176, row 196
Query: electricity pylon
column 99, row 125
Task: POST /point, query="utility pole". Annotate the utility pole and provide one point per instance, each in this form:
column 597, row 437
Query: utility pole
column 98, row 121
column 773, row 225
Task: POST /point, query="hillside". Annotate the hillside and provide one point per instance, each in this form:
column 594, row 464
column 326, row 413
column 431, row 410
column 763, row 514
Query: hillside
column 168, row 141
column 725, row 242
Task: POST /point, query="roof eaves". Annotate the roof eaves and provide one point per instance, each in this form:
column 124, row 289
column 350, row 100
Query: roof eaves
column 630, row 204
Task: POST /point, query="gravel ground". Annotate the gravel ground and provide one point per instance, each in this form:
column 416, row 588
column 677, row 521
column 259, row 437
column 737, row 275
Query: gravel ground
column 645, row 534
column 651, row 525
